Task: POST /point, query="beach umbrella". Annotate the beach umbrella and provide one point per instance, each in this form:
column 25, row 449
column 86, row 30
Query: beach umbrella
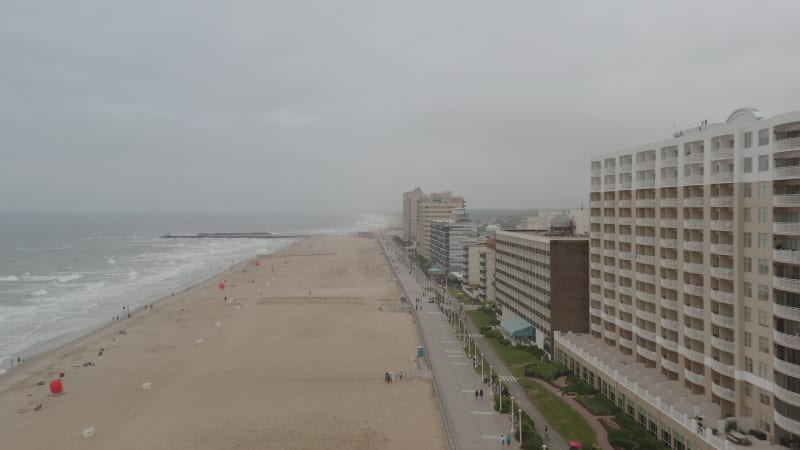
column 221, row 286
column 56, row 386
column 258, row 263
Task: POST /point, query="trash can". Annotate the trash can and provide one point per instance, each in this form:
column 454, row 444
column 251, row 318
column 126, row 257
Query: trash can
column 420, row 352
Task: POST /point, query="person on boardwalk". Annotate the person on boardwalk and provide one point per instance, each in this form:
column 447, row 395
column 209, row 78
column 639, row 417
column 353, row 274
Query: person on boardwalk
column 476, row 394
column 481, row 393
column 508, row 440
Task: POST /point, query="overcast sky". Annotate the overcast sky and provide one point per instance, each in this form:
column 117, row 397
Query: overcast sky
column 316, row 106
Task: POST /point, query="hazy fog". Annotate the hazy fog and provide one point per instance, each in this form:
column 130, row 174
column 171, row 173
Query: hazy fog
column 294, row 106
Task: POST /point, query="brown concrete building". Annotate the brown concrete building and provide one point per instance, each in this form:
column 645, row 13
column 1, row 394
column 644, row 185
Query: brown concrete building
column 543, row 279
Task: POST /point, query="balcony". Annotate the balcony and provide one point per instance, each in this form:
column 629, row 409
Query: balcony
column 693, row 245
column 693, row 268
column 646, row 278
column 596, row 296
column 669, row 365
column 722, row 368
column 786, row 200
column 669, row 324
column 610, row 220
column 786, row 284
column 594, row 312
column 691, row 311
column 625, row 184
column 644, row 315
column 787, row 312
column 609, row 186
column 625, row 220
column 693, row 158
column 610, row 252
column 786, row 228
column 669, row 161
column 610, row 269
column 722, row 344
column 610, row 302
column 669, row 263
column 694, row 201
column 624, row 203
column 625, row 168
column 670, row 202
column 786, row 367
column 596, row 266
column 646, row 203
column 626, row 308
column 669, row 243
column 693, row 179
column 722, row 249
column 627, row 343
column 722, row 153
column 667, row 303
column 595, row 234
column 597, row 328
column 695, row 378
column 786, row 256
column 694, row 334
column 645, row 221
column 786, row 423
column 722, row 177
column 722, row 296
column 645, row 240
column 625, row 273
column 668, row 283
column 609, row 203
column 595, row 204
column 649, row 354
column 642, row 333
column 722, row 272
column 723, row 392
column 646, row 183
column 646, row 164
column 669, row 181
column 595, row 187
column 624, row 238
column 609, row 285
column 786, row 172
column 610, row 335
column 784, row 145
column 722, row 201
column 646, row 296
column 723, row 321
column 626, row 255
column 608, row 317
column 696, row 224
column 693, row 289
column 625, row 325
column 786, row 395
column 670, row 223
column 667, row 344
column 725, row 225
column 692, row 355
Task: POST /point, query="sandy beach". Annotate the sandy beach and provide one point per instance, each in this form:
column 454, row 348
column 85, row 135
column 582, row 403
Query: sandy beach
column 294, row 360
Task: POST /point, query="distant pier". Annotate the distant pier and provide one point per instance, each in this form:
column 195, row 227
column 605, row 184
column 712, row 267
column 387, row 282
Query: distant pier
column 254, row 235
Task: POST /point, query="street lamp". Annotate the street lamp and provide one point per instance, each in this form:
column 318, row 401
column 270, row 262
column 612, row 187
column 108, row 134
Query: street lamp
column 490, row 373
column 512, row 413
column 482, row 377
column 520, row 425
column 500, row 393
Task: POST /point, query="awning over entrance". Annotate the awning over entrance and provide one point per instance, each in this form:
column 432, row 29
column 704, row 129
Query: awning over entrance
column 517, row 327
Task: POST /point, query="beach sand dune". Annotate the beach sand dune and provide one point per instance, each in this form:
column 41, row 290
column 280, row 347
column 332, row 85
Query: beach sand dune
column 294, row 360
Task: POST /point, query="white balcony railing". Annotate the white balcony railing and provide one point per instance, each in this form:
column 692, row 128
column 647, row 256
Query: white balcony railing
column 693, row 179
column 722, row 225
column 668, row 283
column 693, row 289
column 625, row 220
column 669, row 324
column 694, row 223
column 625, row 168
column 694, row 201
column 693, row 245
column 645, row 240
column 723, row 392
column 670, row 243
column 646, row 296
column 625, row 255
column 786, row 227
column 723, row 321
column 692, row 354
column 782, row 145
column 786, row 284
column 669, row 161
column 646, row 203
column 722, row 272
column 722, row 249
column 644, row 315
column 693, row 158
column 695, row 378
column 722, row 153
column 693, row 268
column 722, row 201
column 646, row 259
column 723, row 344
column 627, row 343
column 691, row 311
column 787, row 172
column 649, row 354
column 722, row 296
column 667, row 303
column 624, row 203
column 787, row 256
column 672, row 223
column 786, row 340
column 646, row 278
column 645, row 221
column 667, row 364
column 786, row 200
column 669, row 263
column 626, row 308
column 722, row 177
column 786, row 367
column 787, row 312
column 723, row 368
column 671, row 202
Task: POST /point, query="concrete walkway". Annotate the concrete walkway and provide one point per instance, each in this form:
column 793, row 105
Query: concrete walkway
column 471, row 424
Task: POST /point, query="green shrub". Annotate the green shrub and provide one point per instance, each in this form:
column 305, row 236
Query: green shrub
column 578, row 386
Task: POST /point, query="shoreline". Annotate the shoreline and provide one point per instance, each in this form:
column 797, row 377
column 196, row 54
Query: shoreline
column 59, row 342
column 304, row 339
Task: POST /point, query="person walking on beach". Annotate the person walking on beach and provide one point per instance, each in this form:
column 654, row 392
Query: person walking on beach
column 481, row 392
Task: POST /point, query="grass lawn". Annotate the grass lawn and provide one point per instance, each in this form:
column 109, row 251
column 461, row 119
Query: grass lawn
column 568, row 422
column 480, row 318
column 513, row 358
column 597, row 405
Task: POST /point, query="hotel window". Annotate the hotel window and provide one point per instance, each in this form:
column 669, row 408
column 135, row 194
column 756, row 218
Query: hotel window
column 763, row 240
column 748, row 339
column 763, row 344
column 748, row 364
column 764, row 398
column 763, row 318
column 748, row 264
column 763, row 189
column 763, row 163
column 762, row 371
column 747, row 313
column 763, row 292
column 748, row 289
column 748, row 139
column 762, row 215
column 748, row 165
column 748, row 239
column 748, row 215
column 748, row 411
column 748, row 389
column 763, row 267
column 763, row 136
column 748, row 190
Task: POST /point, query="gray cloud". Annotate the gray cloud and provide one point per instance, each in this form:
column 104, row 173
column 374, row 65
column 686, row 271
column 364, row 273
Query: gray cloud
column 318, row 106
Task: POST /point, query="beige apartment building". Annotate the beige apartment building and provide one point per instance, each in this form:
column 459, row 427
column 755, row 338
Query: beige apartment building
column 410, row 200
column 544, row 280
column 438, row 206
column 695, row 282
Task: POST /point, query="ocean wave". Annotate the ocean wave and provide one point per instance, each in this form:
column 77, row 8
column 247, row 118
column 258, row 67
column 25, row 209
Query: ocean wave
column 133, row 275
column 61, row 278
column 9, row 278
column 111, row 261
column 68, row 278
column 39, row 293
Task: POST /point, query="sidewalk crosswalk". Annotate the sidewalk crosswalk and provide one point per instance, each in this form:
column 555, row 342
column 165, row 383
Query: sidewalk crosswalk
column 508, row 378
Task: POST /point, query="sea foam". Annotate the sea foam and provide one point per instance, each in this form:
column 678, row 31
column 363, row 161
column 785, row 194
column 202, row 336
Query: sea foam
column 9, row 278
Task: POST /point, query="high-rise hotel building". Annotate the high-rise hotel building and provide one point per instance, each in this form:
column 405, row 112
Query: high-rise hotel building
column 695, row 282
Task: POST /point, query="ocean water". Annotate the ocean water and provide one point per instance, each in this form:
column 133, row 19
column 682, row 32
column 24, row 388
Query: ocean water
column 63, row 274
